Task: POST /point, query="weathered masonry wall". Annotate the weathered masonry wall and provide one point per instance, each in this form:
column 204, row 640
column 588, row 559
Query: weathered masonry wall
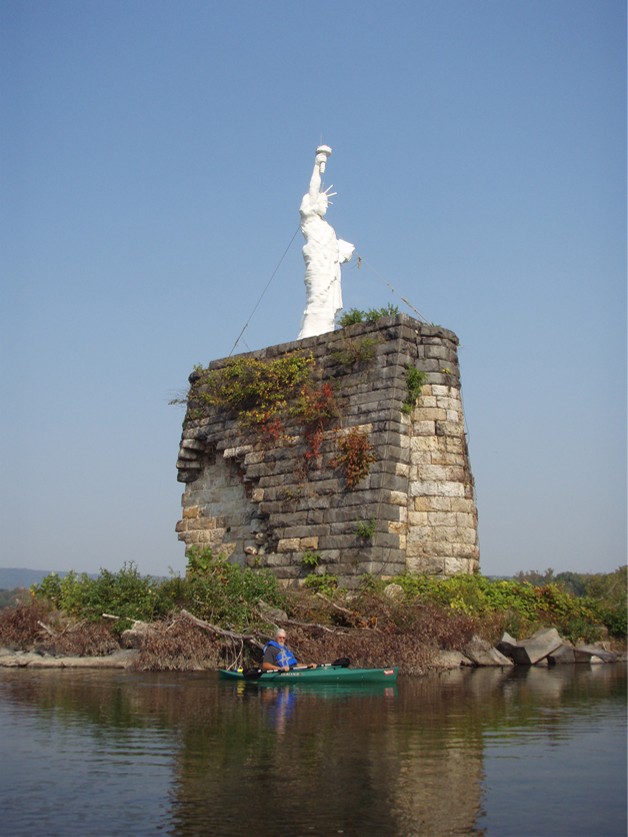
column 257, row 498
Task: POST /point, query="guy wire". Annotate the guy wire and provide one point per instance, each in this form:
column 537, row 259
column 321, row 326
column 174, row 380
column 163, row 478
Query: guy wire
column 244, row 327
column 362, row 261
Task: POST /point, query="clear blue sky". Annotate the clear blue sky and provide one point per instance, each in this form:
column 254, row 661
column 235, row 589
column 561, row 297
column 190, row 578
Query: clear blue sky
column 154, row 155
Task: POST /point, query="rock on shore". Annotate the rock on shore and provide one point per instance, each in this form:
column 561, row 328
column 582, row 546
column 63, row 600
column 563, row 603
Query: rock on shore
column 31, row 659
column 543, row 648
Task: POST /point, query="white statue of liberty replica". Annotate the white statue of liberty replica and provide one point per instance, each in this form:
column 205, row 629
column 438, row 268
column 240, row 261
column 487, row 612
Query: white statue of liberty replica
column 323, row 254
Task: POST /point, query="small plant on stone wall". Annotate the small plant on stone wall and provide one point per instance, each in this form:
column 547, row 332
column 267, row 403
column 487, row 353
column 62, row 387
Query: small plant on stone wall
column 355, row 351
column 354, row 315
column 355, row 456
column 311, row 559
column 365, row 529
column 415, row 379
column 316, row 408
column 257, row 392
column 267, row 394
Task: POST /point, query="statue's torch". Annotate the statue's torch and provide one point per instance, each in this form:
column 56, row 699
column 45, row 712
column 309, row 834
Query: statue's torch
column 322, row 153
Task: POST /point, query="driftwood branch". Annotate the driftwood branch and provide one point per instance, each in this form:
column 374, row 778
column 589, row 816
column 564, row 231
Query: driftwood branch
column 362, row 623
column 46, row 628
column 336, row 630
column 214, row 629
column 334, row 605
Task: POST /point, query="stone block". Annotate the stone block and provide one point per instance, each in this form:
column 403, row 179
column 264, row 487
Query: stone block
column 458, row 565
column 425, row 564
column 338, row 542
column 444, row 534
column 447, row 458
column 418, row 518
column 386, row 540
column 388, row 481
column 481, row 653
column 435, row 488
column 506, row 644
column 416, row 550
column 431, row 414
column 346, row 527
column 418, row 461
column 465, row 550
column 448, row 660
column 305, row 531
column 562, row 656
column 449, row 428
column 420, row 488
column 540, row 645
column 441, row 518
column 389, row 569
column 593, row 654
column 288, row 545
column 420, row 534
column 421, row 504
column 187, row 457
column 424, row 443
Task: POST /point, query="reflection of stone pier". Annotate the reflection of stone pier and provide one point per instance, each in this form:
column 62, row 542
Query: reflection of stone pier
column 435, row 768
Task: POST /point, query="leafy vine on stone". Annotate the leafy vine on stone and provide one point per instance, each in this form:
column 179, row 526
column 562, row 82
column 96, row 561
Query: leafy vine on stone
column 355, row 456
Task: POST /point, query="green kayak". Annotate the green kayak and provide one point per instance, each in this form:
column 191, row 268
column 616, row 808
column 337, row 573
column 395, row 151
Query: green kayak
column 320, row 674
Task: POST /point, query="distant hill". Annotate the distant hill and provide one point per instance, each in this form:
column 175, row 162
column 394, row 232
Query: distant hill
column 12, row 577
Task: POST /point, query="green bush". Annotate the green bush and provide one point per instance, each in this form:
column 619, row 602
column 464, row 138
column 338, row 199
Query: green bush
column 125, row 594
column 324, row 583
column 220, row 592
column 213, row 589
column 616, row 621
column 602, row 597
column 256, row 391
column 523, row 607
column 355, row 315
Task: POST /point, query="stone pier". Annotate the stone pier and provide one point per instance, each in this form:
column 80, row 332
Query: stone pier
column 280, row 493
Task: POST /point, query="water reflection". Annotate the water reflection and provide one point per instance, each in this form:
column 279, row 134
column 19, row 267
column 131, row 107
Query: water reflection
column 185, row 754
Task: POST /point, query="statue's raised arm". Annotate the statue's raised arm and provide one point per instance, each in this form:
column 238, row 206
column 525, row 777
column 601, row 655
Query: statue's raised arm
column 323, row 254
column 320, row 163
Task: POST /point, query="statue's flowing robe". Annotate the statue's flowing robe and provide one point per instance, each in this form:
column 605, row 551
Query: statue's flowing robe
column 323, row 254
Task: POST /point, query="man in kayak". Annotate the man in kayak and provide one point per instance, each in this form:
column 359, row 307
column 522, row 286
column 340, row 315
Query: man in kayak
column 277, row 655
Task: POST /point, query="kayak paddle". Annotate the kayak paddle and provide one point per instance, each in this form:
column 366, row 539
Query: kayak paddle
column 256, row 673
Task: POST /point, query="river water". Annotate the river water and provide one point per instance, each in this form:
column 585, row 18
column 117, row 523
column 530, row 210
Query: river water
column 523, row 752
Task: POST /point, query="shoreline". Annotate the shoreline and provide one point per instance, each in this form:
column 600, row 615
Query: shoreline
column 126, row 659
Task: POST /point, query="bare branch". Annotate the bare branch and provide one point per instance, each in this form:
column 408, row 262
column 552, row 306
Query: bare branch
column 220, row 631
